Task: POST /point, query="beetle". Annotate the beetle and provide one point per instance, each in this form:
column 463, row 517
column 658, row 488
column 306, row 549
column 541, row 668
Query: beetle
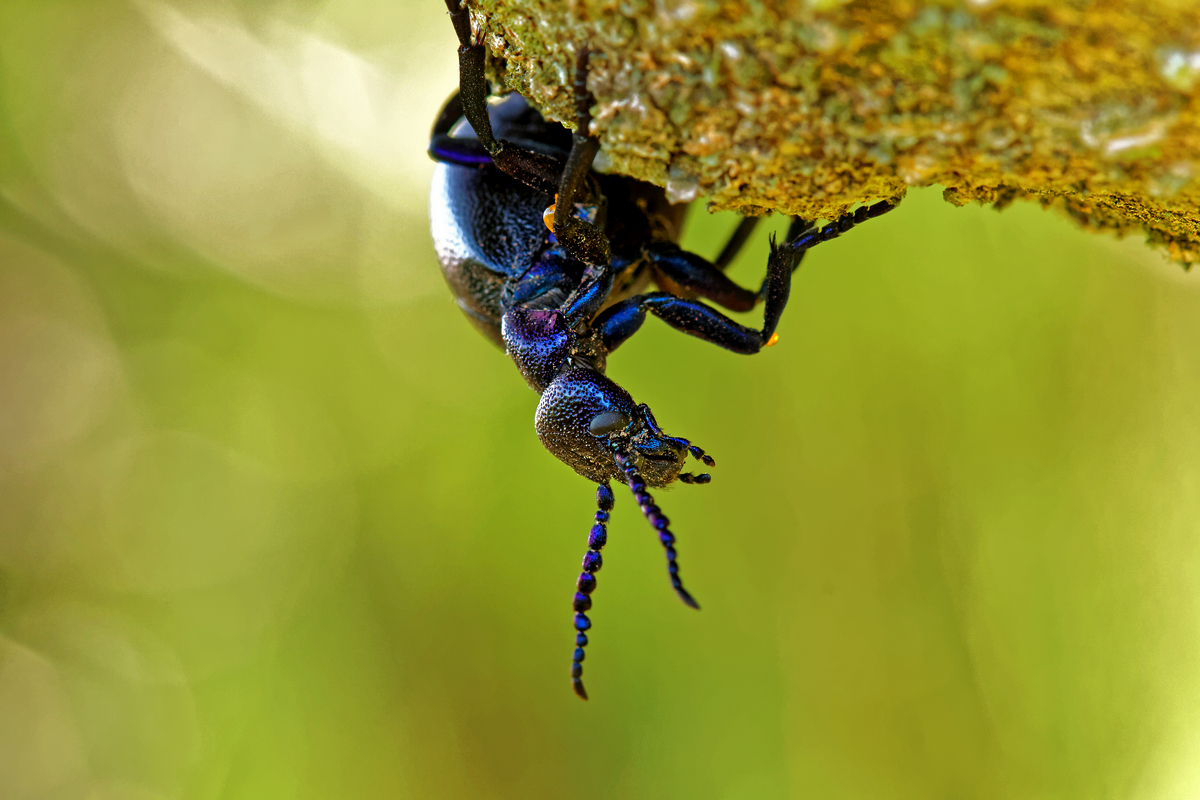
column 549, row 259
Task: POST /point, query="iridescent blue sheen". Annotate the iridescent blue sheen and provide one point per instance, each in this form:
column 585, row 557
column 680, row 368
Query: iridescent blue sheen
column 586, row 583
column 553, row 262
column 598, row 537
column 605, row 499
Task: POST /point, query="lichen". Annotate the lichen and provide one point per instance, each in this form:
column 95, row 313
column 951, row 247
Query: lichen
column 809, row 106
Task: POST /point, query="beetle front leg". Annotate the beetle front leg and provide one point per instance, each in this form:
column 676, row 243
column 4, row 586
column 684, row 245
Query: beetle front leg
column 535, row 170
column 694, row 318
column 686, row 274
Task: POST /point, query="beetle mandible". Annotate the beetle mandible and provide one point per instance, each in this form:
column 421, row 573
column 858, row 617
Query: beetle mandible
column 549, row 260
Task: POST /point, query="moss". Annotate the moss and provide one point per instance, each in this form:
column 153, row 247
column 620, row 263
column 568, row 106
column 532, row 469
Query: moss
column 808, row 106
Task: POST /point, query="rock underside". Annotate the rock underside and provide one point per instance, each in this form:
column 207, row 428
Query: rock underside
column 807, row 107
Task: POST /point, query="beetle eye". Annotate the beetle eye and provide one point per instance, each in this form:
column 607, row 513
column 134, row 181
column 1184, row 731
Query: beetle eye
column 609, row 422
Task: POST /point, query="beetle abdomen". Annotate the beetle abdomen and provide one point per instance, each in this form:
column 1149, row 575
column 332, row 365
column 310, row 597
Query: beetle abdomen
column 486, row 228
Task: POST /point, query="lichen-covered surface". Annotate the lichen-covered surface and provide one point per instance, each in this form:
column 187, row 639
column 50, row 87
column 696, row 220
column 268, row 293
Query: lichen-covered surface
column 807, row 106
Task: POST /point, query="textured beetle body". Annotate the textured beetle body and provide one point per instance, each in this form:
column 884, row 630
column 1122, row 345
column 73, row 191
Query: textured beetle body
column 549, row 259
column 574, row 400
column 488, row 229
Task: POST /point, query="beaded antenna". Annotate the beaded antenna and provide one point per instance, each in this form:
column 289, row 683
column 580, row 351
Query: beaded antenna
column 592, row 561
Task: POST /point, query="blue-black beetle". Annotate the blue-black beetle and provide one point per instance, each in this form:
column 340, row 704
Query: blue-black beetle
column 548, row 259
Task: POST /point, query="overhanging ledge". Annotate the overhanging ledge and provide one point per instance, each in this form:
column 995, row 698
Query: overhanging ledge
column 808, row 107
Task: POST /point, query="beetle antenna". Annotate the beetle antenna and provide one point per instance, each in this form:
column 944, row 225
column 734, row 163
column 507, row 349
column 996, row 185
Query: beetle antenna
column 655, row 516
column 586, row 583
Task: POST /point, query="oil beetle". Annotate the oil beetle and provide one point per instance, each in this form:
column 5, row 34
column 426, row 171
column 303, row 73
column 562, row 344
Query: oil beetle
column 549, row 260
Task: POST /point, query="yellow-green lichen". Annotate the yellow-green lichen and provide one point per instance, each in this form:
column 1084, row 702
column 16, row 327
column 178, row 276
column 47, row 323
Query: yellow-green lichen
column 808, row 107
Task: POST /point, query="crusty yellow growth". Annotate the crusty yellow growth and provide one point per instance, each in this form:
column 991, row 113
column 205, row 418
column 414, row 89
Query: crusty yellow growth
column 807, row 107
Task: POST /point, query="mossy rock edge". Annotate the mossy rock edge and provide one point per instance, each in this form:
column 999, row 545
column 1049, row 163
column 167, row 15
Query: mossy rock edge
column 809, row 107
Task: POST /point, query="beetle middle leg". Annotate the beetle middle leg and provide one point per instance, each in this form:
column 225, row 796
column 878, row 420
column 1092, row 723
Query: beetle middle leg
column 686, row 274
column 622, row 320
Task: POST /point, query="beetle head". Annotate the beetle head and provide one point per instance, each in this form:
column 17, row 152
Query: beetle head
column 584, row 419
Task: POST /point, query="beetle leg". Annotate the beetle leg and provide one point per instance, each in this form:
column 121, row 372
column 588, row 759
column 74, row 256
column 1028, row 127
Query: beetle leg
column 681, row 272
column 622, row 320
column 784, row 259
column 536, row 170
column 586, row 583
column 593, row 290
column 546, row 284
column 686, row 274
column 582, row 240
column 734, row 246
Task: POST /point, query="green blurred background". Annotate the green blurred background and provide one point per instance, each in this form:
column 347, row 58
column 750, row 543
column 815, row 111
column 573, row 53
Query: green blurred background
column 274, row 522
